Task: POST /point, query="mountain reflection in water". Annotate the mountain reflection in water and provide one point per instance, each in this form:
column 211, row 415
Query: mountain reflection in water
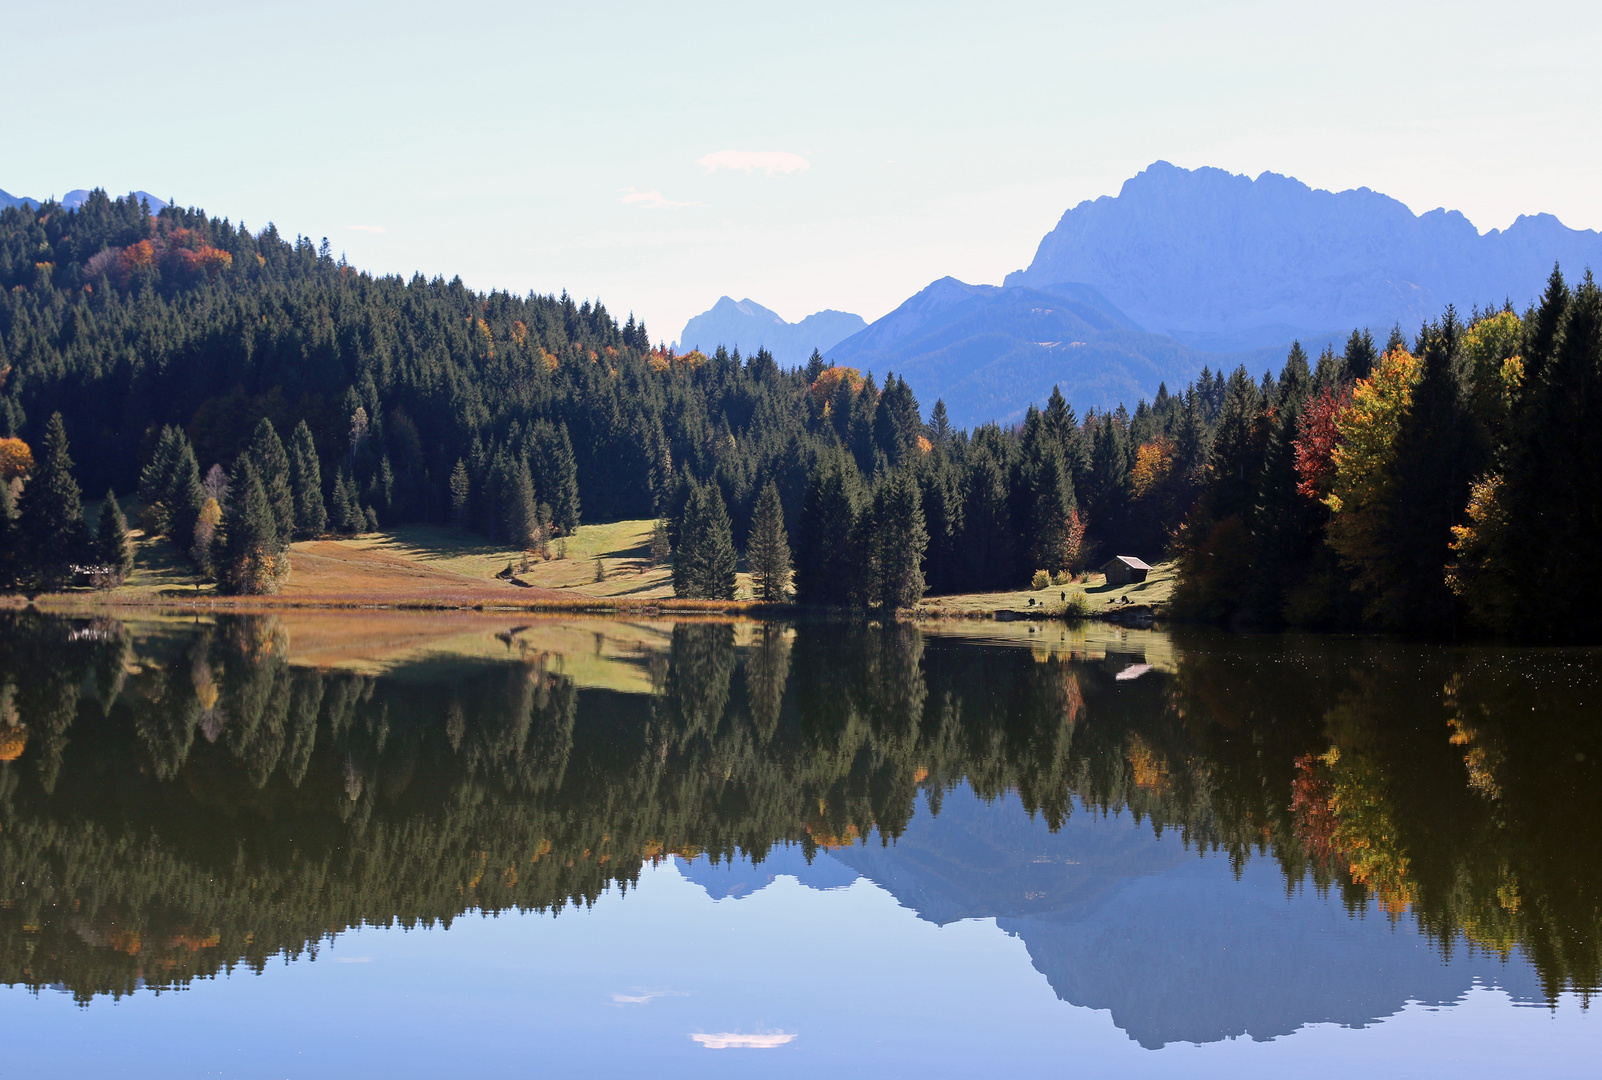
column 1250, row 835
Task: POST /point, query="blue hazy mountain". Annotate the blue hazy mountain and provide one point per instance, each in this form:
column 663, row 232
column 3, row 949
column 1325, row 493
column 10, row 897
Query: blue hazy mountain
column 989, row 350
column 1226, row 262
column 1190, row 268
column 751, row 326
column 74, row 199
column 1168, row 940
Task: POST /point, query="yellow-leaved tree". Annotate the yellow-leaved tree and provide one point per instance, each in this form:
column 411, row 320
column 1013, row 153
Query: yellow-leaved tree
column 1364, row 463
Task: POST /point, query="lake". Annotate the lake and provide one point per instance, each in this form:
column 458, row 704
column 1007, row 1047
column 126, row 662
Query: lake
column 349, row 845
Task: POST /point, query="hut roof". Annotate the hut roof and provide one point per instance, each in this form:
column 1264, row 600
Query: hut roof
column 1128, row 560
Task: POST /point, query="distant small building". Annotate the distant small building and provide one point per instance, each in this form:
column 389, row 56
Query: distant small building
column 1125, row 570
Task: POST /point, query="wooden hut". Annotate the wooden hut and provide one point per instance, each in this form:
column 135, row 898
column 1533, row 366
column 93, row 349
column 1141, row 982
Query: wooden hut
column 1125, row 570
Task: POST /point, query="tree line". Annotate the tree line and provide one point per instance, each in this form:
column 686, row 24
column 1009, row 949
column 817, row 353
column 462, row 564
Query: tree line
column 470, row 784
column 1432, row 485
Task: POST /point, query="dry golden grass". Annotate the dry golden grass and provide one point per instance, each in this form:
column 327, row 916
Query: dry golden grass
column 1052, row 600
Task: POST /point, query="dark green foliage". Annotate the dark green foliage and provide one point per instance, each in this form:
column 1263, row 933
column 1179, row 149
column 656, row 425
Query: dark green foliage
column 51, row 534
column 987, row 543
column 661, row 545
column 1440, row 449
column 899, row 541
column 306, row 483
column 827, row 564
column 767, row 549
column 1552, row 464
column 113, row 548
column 461, row 489
column 253, row 557
column 271, row 463
column 704, row 564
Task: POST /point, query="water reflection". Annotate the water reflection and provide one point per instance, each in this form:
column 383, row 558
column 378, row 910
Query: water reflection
column 182, row 797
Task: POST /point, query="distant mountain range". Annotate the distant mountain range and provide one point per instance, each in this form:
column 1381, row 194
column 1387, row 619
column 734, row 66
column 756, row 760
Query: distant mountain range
column 1225, row 262
column 751, row 326
column 1176, row 947
column 74, row 199
column 1189, row 268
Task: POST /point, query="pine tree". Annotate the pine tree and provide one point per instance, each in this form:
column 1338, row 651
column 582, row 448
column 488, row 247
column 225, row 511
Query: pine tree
column 767, row 549
column 825, row 565
column 344, row 516
column 661, row 546
column 253, row 558
column 461, row 488
column 184, row 495
column 271, row 464
column 306, row 482
column 113, row 548
column 154, row 481
column 704, row 565
column 1360, row 355
column 52, row 535
column 1051, row 503
column 899, row 543
column 939, row 429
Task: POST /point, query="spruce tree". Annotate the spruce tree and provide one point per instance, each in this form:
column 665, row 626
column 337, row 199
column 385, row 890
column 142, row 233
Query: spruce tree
column 899, row 542
column 154, row 481
column 253, row 558
column 1361, row 355
column 344, row 516
column 661, row 546
column 271, row 463
column 767, row 548
column 184, row 495
column 824, row 564
column 52, row 535
column 113, row 547
column 306, row 481
column 704, row 565
column 461, row 488
column 1051, row 501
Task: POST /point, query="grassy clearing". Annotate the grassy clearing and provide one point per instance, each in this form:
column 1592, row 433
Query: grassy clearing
column 1054, row 599
column 428, row 567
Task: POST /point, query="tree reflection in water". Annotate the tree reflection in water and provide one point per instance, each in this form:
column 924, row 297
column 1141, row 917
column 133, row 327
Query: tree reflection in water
column 179, row 798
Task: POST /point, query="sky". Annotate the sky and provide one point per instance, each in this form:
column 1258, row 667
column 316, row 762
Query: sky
column 827, row 155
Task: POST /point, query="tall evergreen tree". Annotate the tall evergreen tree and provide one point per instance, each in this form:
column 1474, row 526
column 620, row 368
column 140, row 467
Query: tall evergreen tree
column 704, row 564
column 767, row 549
column 826, row 565
column 461, row 489
column 306, row 482
column 52, row 535
column 271, row 464
column 899, row 542
column 113, row 548
column 254, row 557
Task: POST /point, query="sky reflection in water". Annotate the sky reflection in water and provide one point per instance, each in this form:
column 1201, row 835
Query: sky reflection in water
column 442, row 782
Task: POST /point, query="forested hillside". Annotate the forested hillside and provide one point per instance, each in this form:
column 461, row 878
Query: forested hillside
column 251, row 390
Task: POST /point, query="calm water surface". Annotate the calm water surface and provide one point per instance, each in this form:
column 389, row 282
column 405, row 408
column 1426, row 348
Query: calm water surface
column 398, row 846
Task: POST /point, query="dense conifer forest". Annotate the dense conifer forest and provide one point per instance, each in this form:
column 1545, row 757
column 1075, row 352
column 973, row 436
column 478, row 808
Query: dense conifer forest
column 253, row 390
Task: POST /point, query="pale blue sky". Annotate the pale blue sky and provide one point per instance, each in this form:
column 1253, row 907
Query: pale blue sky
column 504, row 141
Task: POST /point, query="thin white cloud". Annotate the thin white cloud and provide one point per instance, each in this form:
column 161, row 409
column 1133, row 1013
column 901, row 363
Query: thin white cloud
column 366, row 228
column 769, row 161
column 732, row 1040
column 645, row 997
column 651, row 200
